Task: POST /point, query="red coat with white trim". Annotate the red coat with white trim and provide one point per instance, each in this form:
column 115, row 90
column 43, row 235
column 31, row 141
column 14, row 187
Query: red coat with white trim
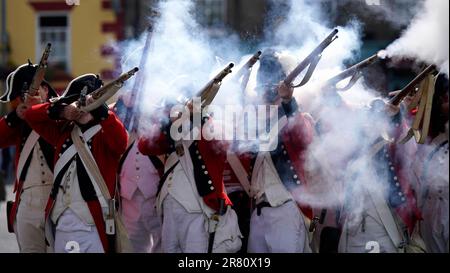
column 230, row 178
column 296, row 137
column 402, row 196
column 208, row 160
column 290, row 155
column 14, row 132
column 106, row 146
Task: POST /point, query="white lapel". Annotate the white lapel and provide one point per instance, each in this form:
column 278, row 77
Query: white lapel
column 71, row 151
column 26, row 151
column 98, row 192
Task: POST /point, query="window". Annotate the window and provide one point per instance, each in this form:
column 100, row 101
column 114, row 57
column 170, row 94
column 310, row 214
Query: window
column 211, row 12
column 54, row 29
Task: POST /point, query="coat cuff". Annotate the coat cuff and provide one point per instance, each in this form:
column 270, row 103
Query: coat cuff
column 165, row 129
column 101, row 113
column 12, row 119
column 55, row 110
column 290, row 108
column 396, row 120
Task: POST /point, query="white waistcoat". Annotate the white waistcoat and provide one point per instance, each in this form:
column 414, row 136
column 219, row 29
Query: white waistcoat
column 178, row 186
column 266, row 182
column 38, row 174
column 69, row 196
column 138, row 172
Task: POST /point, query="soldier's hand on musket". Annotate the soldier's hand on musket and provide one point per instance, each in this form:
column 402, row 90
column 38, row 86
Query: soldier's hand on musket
column 89, row 99
column 391, row 109
column 285, row 92
column 21, row 109
column 190, row 106
column 71, row 112
column 178, row 114
column 85, row 118
column 32, row 100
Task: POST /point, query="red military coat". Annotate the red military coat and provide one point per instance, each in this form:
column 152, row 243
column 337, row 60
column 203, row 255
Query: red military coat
column 290, row 155
column 402, row 195
column 14, row 132
column 107, row 146
column 208, row 161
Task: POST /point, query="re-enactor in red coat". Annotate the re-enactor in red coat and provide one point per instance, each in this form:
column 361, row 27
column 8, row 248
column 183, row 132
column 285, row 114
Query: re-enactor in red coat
column 76, row 208
column 275, row 178
column 192, row 192
column 380, row 213
column 33, row 162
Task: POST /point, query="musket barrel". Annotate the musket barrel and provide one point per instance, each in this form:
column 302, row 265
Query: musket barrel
column 102, row 94
column 120, row 80
column 410, row 86
column 310, row 58
column 135, row 91
column 222, row 74
column 352, row 70
column 206, row 90
column 248, row 65
column 38, row 76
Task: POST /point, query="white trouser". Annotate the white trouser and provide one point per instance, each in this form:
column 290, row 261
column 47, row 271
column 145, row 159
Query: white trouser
column 434, row 227
column 142, row 223
column 278, row 230
column 369, row 235
column 29, row 225
column 182, row 232
column 74, row 236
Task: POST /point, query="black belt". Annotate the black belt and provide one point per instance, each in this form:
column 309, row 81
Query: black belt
column 265, row 204
column 260, row 206
column 164, row 177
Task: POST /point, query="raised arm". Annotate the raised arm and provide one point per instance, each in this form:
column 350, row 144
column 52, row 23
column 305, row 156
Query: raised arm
column 9, row 129
column 114, row 133
column 39, row 118
column 156, row 140
column 299, row 129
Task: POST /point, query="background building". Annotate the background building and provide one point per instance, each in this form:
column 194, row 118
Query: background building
column 81, row 33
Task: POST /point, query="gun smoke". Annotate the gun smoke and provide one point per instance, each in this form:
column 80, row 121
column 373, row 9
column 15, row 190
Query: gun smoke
column 427, row 37
column 183, row 58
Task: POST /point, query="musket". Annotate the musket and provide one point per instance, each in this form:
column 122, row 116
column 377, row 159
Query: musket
column 38, row 76
column 355, row 72
column 410, row 87
column 209, row 91
column 246, row 69
column 82, row 98
column 136, row 90
column 248, row 65
column 311, row 60
column 105, row 92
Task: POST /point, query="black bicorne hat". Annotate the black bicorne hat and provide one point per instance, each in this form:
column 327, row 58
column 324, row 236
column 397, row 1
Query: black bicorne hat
column 74, row 88
column 270, row 70
column 21, row 79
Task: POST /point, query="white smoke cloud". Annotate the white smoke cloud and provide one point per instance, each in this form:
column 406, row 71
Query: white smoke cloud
column 427, row 37
column 338, row 161
column 397, row 13
column 182, row 53
column 181, row 59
